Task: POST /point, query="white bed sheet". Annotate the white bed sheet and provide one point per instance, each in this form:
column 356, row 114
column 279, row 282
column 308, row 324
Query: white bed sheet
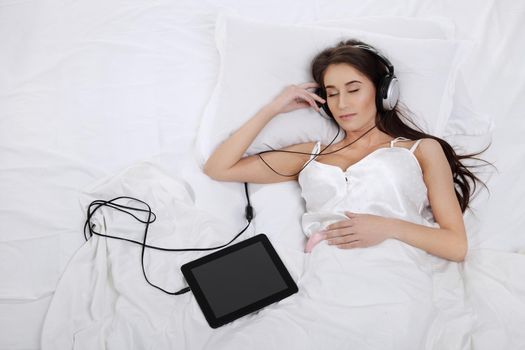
column 89, row 88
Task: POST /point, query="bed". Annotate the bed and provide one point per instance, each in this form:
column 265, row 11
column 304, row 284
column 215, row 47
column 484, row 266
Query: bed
column 104, row 99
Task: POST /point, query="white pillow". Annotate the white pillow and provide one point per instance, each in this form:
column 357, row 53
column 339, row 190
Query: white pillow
column 464, row 119
column 278, row 207
column 405, row 27
column 259, row 59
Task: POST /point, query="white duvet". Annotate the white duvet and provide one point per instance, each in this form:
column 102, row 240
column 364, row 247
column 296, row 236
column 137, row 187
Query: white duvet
column 90, row 88
column 384, row 297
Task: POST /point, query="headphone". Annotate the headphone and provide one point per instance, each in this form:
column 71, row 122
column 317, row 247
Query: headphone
column 387, row 93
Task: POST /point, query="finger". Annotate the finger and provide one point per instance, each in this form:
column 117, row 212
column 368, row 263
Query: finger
column 329, row 234
column 309, row 99
column 350, row 245
column 339, row 241
column 310, row 84
column 301, row 102
column 332, row 232
column 340, row 224
column 346, row 238
column 317, row 97
column 335, row 233
column 350, row 214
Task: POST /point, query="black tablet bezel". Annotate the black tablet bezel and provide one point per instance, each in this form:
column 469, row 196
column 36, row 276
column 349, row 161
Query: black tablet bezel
column 216, row 322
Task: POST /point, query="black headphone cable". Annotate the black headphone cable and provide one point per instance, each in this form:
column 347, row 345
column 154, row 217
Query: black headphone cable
column 316, row 155
column 151, row 218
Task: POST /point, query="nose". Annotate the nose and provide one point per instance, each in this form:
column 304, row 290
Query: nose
column 341, row 103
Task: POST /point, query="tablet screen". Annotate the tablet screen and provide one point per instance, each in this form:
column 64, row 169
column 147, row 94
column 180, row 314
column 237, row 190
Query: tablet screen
column 238, row 280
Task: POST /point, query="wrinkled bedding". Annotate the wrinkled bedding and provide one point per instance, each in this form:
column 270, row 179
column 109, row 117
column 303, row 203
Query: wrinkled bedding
column 99, row 98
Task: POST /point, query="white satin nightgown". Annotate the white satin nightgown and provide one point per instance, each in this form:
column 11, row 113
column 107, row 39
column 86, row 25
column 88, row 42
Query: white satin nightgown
column 387, row 182
column 389, row 283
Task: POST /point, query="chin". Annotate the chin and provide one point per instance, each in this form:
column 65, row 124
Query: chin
column 352, row 126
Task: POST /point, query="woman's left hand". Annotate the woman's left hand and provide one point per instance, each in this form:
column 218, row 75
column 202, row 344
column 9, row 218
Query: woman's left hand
column 359, row 231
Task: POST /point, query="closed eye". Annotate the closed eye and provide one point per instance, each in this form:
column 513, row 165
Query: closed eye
column 348, row 91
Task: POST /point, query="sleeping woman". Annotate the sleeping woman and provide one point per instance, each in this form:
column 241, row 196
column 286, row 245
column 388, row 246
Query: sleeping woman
column 381, row 204
column 384, row 180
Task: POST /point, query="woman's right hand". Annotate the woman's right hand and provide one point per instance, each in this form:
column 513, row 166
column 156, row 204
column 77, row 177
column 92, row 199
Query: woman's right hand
column 295, row 97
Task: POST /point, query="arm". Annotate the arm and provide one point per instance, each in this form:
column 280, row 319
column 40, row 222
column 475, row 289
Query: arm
column 445, row 243
column 449, row 241
column 231, row 151
column 226, row 162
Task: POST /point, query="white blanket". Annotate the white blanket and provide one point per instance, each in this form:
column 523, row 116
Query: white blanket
column 91, row 87
column 382, row 297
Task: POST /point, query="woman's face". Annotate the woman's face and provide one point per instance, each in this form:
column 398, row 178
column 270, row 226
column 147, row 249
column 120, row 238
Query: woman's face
column 349, row 92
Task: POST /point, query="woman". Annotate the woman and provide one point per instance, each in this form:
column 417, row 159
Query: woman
column 385, row 195
column 349, row 77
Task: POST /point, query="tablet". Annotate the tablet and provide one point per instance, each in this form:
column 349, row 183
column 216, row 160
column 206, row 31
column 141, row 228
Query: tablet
column 238, row 280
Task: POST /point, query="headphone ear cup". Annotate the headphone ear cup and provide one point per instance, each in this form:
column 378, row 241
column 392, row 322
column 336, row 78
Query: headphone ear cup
column 388, row 93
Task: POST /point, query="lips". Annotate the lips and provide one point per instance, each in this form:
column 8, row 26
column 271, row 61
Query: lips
column 347, row 116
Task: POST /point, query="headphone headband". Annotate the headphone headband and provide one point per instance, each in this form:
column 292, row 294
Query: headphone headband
column 379, row 55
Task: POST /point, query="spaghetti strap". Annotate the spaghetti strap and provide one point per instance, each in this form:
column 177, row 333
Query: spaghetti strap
column 413, row 148
column 400, row 138
column 315, row 151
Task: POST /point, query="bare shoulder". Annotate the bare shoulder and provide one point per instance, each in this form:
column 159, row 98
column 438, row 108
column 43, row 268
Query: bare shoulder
column 430, row 153
column 428, row 146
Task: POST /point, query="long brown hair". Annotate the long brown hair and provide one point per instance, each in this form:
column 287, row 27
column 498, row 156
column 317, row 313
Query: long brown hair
column 391, row 122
